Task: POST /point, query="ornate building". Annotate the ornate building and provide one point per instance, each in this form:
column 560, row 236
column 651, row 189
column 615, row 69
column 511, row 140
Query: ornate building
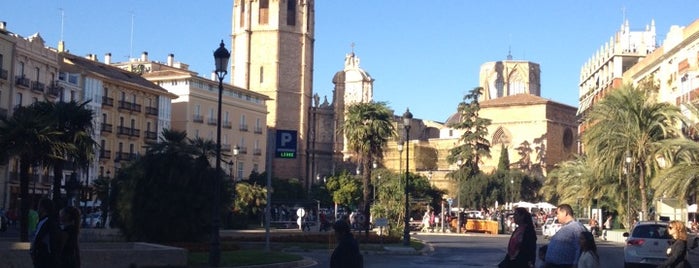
column 509, row 77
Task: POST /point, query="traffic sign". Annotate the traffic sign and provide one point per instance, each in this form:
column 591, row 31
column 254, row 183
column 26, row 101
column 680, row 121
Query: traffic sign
column 286, row 144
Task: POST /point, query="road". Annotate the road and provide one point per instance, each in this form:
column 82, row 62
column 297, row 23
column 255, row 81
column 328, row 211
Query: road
column 470, row 251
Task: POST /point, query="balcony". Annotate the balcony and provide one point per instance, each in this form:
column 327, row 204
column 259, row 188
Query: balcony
column 243, row 127
column 122, row 156
column 136, row 107
column 243, row 149
column 106, row 127
column 227, row 124
column 22, row 81
column 152, row 111
column 4, row 74
column 258, row 130
column 37, row 86
column 107, row 101
column 122, row 130
column 105, row 154
column 225, row 147
column 197, row 118
column 151, row 135
column 212, row 121
column 54, row 89
column 257, row 151
column 135, row 132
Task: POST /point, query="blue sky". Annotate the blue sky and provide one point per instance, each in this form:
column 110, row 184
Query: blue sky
column 423, row 54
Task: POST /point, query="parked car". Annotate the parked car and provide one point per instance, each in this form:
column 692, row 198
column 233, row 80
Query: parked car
column 550, row 227
column 94, row 220
column 585, row 222
column 646, row 244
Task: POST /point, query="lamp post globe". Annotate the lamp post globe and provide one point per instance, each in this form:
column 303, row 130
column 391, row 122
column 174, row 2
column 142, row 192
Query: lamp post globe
column 407, row 118
column 221, row 56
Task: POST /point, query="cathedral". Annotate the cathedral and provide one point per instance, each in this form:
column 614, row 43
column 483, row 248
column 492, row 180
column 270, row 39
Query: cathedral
column 273, row 55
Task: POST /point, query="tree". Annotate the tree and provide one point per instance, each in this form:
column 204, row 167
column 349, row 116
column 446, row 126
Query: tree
column 168, row 180
column 74, row 121
column 629, row 121
column 368, row 128
column 28, row 135
column 504, row 161
column 473, row 145
column 345, row 189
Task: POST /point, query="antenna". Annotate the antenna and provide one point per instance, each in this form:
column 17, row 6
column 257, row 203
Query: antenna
column 131, row 44
column 509, row 47
column 352, row 45
column 62, row 19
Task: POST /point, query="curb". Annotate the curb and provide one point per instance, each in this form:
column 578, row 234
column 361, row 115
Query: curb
column 305, row 262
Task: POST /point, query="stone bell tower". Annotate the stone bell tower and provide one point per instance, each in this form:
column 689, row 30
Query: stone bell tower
column 272, row 53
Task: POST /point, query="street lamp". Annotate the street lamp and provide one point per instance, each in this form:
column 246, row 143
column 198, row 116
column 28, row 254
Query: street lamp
column 407, row 117
column 459, row 162
column 108, row 218
column 627, row 160
column 221, row 56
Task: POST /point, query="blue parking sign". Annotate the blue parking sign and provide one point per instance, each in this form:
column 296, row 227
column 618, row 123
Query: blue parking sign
column 286, row 144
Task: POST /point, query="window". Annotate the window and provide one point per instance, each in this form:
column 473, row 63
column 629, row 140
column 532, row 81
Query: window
column 133, row 123
column 123, row 96
column 242, row 120
column 21, row 69
column 121, row 121
column 121, row 147
column 131, row 151
column 242, row 14
column 567, row 138
column 262, row 74
column 197, row 109
column 38, row 72
column 225, row 116
column 18, row 100
column 291, row 12
column 148, row 126
column 104, row 118
column 264, row 12
column 240, row 170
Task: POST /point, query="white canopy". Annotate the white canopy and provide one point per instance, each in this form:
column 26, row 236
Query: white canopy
column 692, row 208
column 523, row 204
column 544, row 205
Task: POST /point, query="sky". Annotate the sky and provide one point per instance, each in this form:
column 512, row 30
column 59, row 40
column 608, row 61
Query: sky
column 423, row 55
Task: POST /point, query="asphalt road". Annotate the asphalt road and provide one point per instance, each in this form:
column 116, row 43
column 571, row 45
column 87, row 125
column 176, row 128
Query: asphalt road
column 468, row 251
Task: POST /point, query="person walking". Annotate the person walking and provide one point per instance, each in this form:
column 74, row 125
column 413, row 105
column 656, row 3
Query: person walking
column 32, row 221
column 45, row 248
column 346, row 254
column 607, row 226
column 564, row 246
column 521, row 249
column 677, row 252
column 70, row 226
column 588, row 251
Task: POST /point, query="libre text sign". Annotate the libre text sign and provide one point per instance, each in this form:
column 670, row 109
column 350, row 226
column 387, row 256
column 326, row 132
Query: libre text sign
column 286, row 144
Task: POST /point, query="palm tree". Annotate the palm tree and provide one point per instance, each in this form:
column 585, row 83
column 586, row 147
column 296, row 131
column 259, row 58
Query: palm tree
column 29, row 136
column 368, row 128
column 74, row 121
column 629, row 121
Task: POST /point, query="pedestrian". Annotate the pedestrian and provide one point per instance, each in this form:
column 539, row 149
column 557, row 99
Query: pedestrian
column 607, row 226
column 677, row 252
column 521, row 249
column 32, row 221
column 564, row 246
column 346, row 254
column 588, row 251
column 45, row 248
column 594, row 225
column 70, row 227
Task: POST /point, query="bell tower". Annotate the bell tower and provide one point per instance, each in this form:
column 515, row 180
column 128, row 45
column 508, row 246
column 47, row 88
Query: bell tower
column 272, row 53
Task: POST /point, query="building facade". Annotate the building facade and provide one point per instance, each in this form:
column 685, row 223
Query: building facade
column 272, row 55
column 604, row 70
column 194, row 111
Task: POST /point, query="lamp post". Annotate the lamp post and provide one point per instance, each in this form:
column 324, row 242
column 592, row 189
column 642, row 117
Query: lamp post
column 108, row 218
column 458, row 195
column 407, row 117
column 221, row 56
column 627, row 168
